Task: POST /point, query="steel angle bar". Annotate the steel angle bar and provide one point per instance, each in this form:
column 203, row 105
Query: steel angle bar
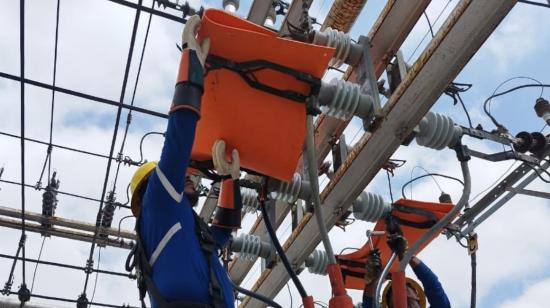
column 294, row 15
column 502, row 201
column 463, row 33
column 66, row 233
column 529, row 192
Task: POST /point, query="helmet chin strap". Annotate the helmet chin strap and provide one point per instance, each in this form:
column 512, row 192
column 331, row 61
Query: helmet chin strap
column 193, row 198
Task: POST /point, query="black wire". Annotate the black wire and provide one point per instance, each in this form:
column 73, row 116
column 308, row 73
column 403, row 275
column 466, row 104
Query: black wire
column 389, row 186
column 22, row 87
column 473, row 294
column 36, row 265
column 426, row 175
column 429, row 24
column 281, row 252
column 290, row 295
column 538, row 172
column 129, row 116
column 57, row 146
column 141, row 144
column 534, row 3
column 453, row 91
column 120, row 222
column 255, row 295
column 63, row 265
column 115, row 132
column 68, row 300
column 83, row 95
column 96, row 273
column 488, row 113
column 53, row 83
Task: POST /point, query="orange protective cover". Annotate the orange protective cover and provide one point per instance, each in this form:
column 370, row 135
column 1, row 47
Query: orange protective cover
column 412, row 234
column 267, row 130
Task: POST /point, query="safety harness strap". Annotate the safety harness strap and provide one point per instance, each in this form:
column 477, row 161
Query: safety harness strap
column 137, row 259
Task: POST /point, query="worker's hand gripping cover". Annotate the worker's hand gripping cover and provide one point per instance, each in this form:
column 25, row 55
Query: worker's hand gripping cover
column 398, row 244
column 190, row 82
column 228, row 212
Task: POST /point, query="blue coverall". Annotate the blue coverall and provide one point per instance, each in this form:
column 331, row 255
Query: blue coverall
column 432, row 288
column 180, row 270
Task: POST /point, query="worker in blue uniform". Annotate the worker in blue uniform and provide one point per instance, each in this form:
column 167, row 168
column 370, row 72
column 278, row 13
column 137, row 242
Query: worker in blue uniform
column 416, row 296
column 177, row 253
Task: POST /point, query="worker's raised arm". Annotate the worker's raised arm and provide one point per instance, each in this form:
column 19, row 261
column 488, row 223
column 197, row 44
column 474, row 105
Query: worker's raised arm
column 185, row 109
column 432, row 287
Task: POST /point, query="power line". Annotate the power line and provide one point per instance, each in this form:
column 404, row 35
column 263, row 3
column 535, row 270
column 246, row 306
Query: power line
column 535, row 3
column 113, row 142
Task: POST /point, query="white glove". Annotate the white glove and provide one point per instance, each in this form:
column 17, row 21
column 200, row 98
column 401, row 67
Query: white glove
column 222, row 166
column 189, row 37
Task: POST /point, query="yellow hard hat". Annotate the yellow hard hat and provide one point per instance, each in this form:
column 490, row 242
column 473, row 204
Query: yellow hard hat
column 411, row 282
column 140, row 177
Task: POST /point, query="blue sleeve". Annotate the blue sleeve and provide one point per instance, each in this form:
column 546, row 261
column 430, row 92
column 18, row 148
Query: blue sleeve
column 367, row 302
column 178, row 143
column 221, row 235
column 432, row 287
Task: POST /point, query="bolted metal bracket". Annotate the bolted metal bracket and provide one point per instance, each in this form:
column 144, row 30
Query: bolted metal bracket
column 368, row 81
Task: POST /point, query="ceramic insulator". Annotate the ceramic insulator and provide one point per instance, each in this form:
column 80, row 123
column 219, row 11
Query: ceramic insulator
column 108, row 213
column 317, row 262
column 437, row 131
column 288, row 191
column 345, row 100
column 370, row 207
column 250, row 246
column 250, row 200
column 337, row 40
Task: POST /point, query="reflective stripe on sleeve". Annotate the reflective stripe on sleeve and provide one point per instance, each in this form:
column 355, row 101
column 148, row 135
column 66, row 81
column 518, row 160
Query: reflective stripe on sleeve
column 175, row 228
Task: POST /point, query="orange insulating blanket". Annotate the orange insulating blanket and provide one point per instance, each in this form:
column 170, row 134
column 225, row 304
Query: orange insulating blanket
column 268, row 130
column 353, row 264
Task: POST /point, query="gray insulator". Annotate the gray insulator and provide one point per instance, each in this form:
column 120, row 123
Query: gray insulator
column 250, row 200
column 288, row 191
column 248, row 246
column 338, row 40
column 317, row 262
column 437, row 131
column 370, row 207
column 342, row 99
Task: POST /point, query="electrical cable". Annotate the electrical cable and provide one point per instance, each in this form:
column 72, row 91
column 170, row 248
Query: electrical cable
column 129, row 116
column 141, row 144
column 68, row 300
column 36, row 265
column 96, row 273
column 120, row 222
column 314, row 184
column 280, row 250
column 426, row 175
column 22, row 88
column 255, row 295
column 427, row 172
column 538, row 172
column 389, row 186
column 428, row 32
column 429, row 23
column 290, row 295
column 535, row 3
column 487, row 102
column 473, row 293
column 113, row 141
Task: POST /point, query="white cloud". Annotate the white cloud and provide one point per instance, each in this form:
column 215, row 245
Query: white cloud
column 535, row 296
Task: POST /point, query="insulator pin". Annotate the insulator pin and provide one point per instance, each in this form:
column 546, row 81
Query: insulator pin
column 370, row 207
column 49, row 201
column 438, row 131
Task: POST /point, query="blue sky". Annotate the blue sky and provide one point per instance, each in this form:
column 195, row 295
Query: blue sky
column 513, row 270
